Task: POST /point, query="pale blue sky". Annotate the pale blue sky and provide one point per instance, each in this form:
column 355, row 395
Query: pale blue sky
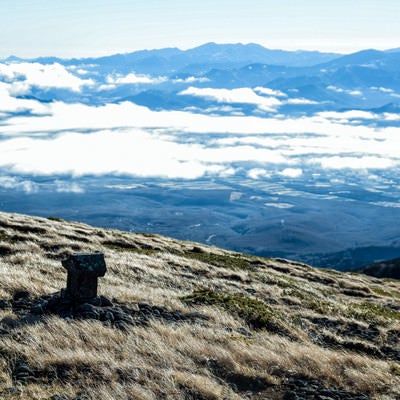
column 66, row 28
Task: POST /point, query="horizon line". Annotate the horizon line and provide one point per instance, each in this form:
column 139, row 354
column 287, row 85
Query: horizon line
column 184, row 49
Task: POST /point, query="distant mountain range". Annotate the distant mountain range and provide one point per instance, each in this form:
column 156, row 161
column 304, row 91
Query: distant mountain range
column 364, row 80
column 227, row 55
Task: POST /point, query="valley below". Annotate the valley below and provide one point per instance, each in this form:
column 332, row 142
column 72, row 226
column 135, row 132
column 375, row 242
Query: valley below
column 340, row 226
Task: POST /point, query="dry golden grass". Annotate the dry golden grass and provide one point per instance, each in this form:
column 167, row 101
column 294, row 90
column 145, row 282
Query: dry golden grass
column 269, row 320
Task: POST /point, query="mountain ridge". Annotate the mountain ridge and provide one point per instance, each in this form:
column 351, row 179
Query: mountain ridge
column 383, row 269
column 238, row 51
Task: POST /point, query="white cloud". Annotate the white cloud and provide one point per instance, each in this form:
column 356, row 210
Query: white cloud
column 9, row 103
column 264, row 98
column 279, row 205
column 108, row 86
column 133, row 78
column 346, row 115
column 353, row 92
column 301, row 101
column 292, row 172
column 391, row 117
column 382, row 89
column 132, row 152
column 335, row 89
column 363, row 162
column 68, row 187
column 25, row 75
column 130, row 139
column 269, row 92
column 258, row 173
column 389, row 204
column 235, row 96
column 79, row 116
column 235, row 196
column 191, row 79
column 10, row 182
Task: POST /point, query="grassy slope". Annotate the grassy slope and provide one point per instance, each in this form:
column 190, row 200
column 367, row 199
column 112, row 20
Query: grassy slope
column 269, row 320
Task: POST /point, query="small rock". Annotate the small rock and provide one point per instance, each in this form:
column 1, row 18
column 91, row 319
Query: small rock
column 197, row 315
column 197, row 249
column 291, row 395
column 24, row 368
column 105, row 302
column 59, row 397
column 12, row 390
column 21, row 294
column 107, row 316
column 40, row 308
column 95, row 301
column 89, row 315
column 143, row 306
column 123, row 326
column 85, row 307
column 243, row 331
column 4, row 304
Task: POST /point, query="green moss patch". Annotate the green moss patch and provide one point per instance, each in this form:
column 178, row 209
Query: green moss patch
column 5, row 238
column 56, row 219
column 273, row 280
column 312, row 301
column 395, row 369
column 255, row 312
column 372, row 312
column 122, row 246
column 229, row 261
column 386, row 293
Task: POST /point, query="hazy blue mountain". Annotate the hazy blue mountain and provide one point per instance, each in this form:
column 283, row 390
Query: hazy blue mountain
column 332, row 80
column 210, row 54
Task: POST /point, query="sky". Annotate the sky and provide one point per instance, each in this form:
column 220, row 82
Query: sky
column 79, row 28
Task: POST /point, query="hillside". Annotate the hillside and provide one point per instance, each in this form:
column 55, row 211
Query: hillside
column 389, row 268
column 180, row 320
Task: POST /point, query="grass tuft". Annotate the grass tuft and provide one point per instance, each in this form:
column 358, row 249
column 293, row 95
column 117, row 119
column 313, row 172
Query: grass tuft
column 371, row 312
column 395, row 369
column 255, row 312
column 312, row 301
column 229, row 261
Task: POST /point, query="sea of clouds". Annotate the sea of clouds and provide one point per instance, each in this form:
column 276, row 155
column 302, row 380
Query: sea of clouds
column 76, row 139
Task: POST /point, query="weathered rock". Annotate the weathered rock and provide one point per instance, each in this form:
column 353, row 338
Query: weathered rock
column 83, row 271
column 59, row 397
column 100, row 308
column 4, row 304
column 21, row 294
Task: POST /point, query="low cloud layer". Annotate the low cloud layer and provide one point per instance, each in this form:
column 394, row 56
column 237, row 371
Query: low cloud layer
column 129, row 139
column 239, row 96
column 266, row 99
column 58, row 138
column 25, row 75
column 133, row 78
